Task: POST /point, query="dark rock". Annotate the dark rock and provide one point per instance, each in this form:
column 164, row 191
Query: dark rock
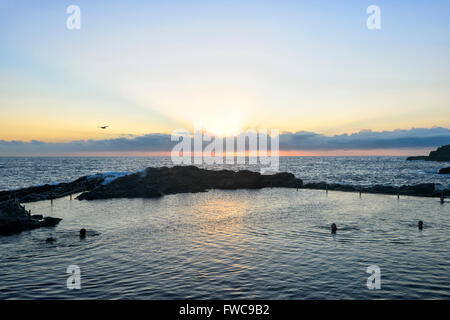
column 50, row 239
column 317, row 185
column 418, row 158
column 445, row 170
column 15, row 219
column 343, row 187
column 50, row 222
column 440, row 154
column 423, row 189
column 156, row 182
column 420, row 225
column 37, row 216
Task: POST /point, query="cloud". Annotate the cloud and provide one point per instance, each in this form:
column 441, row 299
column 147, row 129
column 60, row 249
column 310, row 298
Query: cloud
column 367, row 139
column 363, row 140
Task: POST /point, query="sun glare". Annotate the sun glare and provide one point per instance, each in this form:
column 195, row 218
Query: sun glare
column 222, row 125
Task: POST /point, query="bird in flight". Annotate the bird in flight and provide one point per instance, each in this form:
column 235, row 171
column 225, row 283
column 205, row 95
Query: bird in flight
column 103, row 127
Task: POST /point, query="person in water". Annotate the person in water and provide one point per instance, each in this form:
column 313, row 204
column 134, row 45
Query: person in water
column 420, row 225
column 83, row 233
column 333, row 228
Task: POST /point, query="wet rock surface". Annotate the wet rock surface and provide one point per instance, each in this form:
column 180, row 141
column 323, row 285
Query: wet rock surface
column 445, row 170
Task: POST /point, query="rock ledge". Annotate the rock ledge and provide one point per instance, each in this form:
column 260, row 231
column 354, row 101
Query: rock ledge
column 15, row 219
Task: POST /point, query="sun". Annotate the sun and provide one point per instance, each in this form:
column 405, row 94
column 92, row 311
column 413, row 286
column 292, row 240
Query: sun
column 223, row 125
column 224, row 129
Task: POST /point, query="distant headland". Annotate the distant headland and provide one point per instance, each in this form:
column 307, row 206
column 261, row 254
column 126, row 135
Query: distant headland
column 440, row 154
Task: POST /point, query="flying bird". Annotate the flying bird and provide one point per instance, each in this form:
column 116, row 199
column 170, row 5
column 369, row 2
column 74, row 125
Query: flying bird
column 103, row 127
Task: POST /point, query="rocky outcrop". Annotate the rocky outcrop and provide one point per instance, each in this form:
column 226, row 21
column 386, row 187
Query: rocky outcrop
column 15, row 219
column 445, row 170
column 440, row 154
column 415, row 158
column 151, row 183
column 156, row 182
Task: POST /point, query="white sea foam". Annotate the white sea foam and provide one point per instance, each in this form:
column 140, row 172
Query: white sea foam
column 109, row 176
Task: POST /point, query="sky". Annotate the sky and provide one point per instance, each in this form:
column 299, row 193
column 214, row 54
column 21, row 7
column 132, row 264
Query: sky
column 148, row 68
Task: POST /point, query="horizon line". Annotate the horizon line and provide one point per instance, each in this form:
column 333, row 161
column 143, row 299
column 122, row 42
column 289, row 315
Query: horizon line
column 384, row 152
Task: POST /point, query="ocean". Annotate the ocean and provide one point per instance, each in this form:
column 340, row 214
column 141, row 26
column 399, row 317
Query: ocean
column 362, row 171
column 241, row 244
